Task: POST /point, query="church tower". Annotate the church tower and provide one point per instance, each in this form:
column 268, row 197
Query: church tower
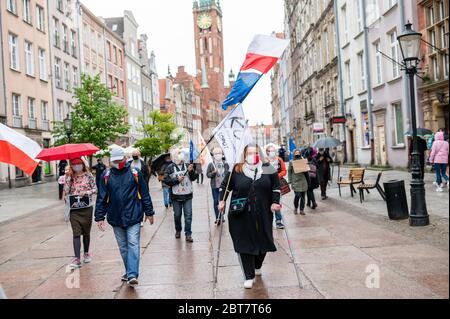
column 209, row 48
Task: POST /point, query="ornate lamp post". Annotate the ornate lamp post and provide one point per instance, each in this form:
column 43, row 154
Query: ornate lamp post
column 68, row 127
column 410, row 46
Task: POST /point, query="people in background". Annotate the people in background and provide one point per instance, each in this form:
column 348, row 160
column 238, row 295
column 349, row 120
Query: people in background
column 99, row 170
column 439, row 157
column 323, row 160
column 179, row 177
column 137, row 162
column 216, row 172
column 300, row 184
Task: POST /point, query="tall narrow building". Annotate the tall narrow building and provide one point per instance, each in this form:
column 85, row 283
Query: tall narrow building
column 209, row 58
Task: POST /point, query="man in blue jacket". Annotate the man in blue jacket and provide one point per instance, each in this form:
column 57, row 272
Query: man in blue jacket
column 124, row 198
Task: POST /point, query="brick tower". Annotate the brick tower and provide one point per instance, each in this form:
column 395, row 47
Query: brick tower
column 209, row 58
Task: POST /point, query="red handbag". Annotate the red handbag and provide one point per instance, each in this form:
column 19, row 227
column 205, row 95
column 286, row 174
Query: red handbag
column 284, row 186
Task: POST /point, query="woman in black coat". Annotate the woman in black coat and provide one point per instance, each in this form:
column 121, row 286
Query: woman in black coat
column 324, row 160
column 251, row 230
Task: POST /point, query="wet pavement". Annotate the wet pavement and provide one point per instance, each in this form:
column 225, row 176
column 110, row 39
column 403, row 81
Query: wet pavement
column 343, row 250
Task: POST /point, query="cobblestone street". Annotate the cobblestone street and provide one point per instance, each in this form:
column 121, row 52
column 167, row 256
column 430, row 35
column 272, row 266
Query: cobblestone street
column 336, row 247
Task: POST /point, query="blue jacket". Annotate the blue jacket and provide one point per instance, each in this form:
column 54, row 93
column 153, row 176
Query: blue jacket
column 118, row 199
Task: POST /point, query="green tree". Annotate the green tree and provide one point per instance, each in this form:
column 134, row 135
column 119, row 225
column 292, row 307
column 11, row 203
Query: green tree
column 160, row 135
column 95, row 117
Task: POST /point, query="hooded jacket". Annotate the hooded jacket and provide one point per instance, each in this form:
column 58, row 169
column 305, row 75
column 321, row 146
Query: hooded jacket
column 439, row 151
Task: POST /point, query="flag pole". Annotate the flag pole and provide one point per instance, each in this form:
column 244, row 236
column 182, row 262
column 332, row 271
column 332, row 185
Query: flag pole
column 212, row 137
column 221, row 214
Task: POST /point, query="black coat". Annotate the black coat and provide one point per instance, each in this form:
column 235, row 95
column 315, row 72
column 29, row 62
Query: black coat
column 252, row 231
column 99, row 169
column 324, row 167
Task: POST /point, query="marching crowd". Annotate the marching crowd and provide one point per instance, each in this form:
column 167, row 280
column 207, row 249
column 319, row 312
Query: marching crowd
column 256, row 184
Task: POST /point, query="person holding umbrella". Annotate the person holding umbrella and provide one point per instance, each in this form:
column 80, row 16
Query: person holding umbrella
column 79, row 184
column 255, row 198
column 323, row 160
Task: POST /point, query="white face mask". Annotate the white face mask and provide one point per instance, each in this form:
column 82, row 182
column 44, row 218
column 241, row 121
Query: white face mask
column 272, row 155
column 77, row 168
column 218, row 157
column 252, row 160
column 180, row 157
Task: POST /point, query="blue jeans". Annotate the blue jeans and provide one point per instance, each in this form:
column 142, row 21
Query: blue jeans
column 216, row 195
column 278, row 217
column 440, row 172
column 179, row 208
column 166, row 194
column 128, row 240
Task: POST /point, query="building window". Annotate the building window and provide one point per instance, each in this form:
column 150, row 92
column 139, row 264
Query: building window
column 130, row 77
column 65, row 38
column 42, row 65
column 344, row 19
column 60, row 5
column 56, row 33
column 31, row 111
column 359, row 19
column 430, row 16
column 348, row 78
column 391, row 3
column 441, row 10
column 11, row 6
column 394, row 54
column 14, row 52
column 120, row 58
column 16, row 104
column 58, row 73
column 26, row 11
column 362, row 71
column 74, row 43
column 40, row 18
column 379, row 62
column 108, row 50
column 365, row 125
column 66, row 77
column 59, row 110
column 399, row 133
column 432, row 35
column 29, row 58
column 44, row 110
column 115, row 54
column 434, row 63
column 75, row 76
column 445, row 63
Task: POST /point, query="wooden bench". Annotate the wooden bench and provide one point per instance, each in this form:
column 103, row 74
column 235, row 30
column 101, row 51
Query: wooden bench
column 371, row 185
column 355, row 177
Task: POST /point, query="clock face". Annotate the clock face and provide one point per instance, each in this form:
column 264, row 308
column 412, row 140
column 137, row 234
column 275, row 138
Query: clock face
column 204, row 21
column 219, row 24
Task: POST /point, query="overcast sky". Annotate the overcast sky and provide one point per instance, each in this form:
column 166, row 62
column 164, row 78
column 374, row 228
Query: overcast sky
column 169, row 26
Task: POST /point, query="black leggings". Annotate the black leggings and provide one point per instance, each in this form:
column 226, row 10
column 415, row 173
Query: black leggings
column 311, row 197
column 299, row 196
column 77, row 244
column 250, row 263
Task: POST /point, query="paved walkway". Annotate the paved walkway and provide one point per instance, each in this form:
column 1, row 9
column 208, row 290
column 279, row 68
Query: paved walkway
column 336, row 250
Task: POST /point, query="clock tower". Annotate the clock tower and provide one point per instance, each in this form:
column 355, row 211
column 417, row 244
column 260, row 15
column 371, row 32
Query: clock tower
column 209, row 50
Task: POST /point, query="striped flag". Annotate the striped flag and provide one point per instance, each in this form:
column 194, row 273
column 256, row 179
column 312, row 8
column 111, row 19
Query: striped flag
column 18, row 150
column 263, row 53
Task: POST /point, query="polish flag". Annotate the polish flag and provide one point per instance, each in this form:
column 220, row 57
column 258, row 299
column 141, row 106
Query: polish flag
column 18, row 150
column 262, row 54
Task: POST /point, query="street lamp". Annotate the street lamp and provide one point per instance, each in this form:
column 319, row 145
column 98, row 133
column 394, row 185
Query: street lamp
column 68, row 127
column 410, row 47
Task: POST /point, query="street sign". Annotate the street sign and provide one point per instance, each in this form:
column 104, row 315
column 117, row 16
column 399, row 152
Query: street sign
column 339, row 120
column 318, row 128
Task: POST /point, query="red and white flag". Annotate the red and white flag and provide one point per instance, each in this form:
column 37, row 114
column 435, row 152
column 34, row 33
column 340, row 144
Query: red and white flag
column 18, row 150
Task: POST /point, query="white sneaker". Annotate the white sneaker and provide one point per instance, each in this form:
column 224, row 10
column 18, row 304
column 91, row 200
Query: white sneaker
column 142, row 224
column 435, row 184
column 439, row 189
column 258, row 272
column 248, row 284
